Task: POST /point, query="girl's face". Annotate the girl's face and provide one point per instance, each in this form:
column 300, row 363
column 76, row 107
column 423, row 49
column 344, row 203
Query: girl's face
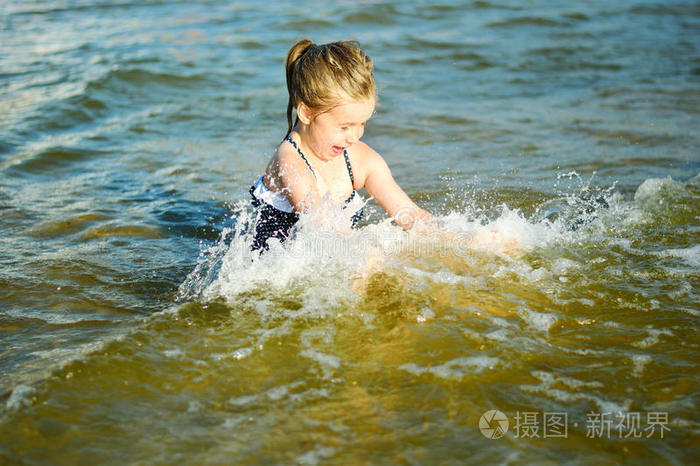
column 334, row 131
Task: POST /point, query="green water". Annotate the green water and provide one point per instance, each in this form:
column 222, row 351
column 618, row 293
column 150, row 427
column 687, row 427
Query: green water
column 135, row 329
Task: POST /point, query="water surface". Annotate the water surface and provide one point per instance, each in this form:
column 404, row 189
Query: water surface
column 134, row 328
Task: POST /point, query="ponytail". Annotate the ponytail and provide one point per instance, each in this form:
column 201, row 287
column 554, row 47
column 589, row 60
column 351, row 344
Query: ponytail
column 293, row 56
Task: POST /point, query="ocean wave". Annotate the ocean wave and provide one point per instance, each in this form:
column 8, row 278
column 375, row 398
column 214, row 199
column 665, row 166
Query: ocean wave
column 49, row 8
column 65, row 226
column 376, row 13
column 446, row 8
column 522, row 21
column 47, row 162
column 95, row 100
column 687, row 10
column 68, row 113
column 117, row 78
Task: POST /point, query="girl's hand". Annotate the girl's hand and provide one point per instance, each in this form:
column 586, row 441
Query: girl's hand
column 487, row 240
column 496, row 241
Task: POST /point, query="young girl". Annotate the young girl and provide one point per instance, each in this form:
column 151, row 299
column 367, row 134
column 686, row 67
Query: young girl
column 331, row 87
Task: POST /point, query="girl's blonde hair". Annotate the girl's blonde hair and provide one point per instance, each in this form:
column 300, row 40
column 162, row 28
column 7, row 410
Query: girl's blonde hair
column 321, row 76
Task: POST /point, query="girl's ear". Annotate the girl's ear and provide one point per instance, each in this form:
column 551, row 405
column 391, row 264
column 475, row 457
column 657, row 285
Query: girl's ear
column 304, row 113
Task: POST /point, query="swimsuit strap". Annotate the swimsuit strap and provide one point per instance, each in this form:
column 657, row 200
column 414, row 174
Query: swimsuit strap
column 291, row 141
column 347, row 163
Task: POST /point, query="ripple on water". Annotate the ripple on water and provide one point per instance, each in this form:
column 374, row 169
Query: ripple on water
column 66, row 226
column 52, row 161
column 376, row 13
column 68, row 113
column 525, row 21
column 126, row 231
column 125, row 85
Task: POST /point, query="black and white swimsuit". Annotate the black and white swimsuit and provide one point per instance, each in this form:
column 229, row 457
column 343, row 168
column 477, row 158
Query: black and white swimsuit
column 275, row 215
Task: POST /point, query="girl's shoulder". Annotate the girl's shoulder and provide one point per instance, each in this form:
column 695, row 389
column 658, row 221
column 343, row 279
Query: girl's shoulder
column 287, row 157
column 364, row 160
column 287, row 167
column 363, row 154
column 286, row 152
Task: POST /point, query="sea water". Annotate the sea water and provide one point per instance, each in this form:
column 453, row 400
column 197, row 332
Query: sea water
column 134, row 327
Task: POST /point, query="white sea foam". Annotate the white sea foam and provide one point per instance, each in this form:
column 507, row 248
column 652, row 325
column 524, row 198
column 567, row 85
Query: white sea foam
column 273, row 394
column 499, row 335
column 277, row 393
column 690, row 255
column 232, row 423
column 239, row 353
column 539, row 320
column 455, row 368
column 639, row 362
column 326, row 361
column 683, row 289
column 20, row 397
column 562, row 266
column 194, row 406
column 64, row 356
column 568, row 390
column 316, row 456
column 60, row 317
column 425, row 315
column 653, row 337
column 653, row 189
column 175, row 353
column 493, row 235
column 548, row 379
column 245, row 400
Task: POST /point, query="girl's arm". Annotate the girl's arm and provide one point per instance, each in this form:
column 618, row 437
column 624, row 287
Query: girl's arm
column 380, row 184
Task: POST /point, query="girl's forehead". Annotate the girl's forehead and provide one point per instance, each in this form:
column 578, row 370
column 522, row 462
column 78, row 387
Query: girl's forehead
column 352, row 111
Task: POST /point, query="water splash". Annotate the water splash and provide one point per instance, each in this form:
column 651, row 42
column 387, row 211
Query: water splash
column 330, row 258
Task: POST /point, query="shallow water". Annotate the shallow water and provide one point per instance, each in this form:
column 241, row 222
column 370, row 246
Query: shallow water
column 135, row 329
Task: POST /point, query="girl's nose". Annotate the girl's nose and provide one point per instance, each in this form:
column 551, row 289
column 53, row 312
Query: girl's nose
column 354, row 136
